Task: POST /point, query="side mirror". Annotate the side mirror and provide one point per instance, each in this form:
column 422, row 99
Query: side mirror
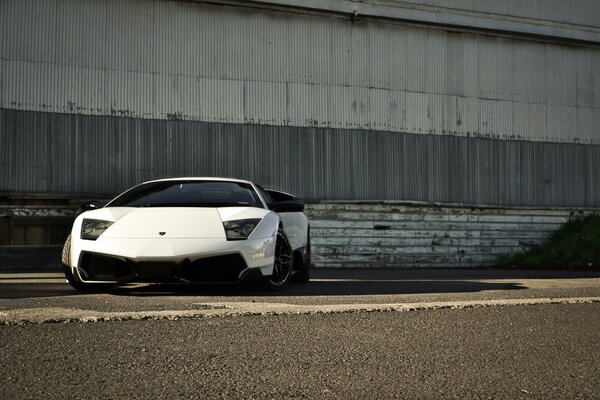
column 288, row 206
column 91, row 205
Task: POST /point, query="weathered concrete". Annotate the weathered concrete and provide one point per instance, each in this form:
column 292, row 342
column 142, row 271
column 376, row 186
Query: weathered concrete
column 399, row 235
column 207, row 310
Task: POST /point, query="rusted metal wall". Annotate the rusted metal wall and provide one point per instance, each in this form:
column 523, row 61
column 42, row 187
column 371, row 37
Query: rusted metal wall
column 66, row 153
column 395, row 235
column 205, row 62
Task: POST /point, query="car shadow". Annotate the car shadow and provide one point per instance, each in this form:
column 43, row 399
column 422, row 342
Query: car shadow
column 38, row 289
column 340, row 282
column 324, row 282
column 319, row 288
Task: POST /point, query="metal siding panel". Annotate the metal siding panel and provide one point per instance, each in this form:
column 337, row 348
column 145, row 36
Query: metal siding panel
column 527, row 75
column 416, row 112
column 592, row 154
column 494, row 72
column 129, row 26
column 559, row 122
column 360, row 73
column 63, row 153
column 78, row 24
column 379, row 45
column 584, row 12
column 264, row 102
column 561, row 79
column 20, row 42
column 339, row 38
column 379, row 109
column 173, row 61
column 3, row 79
column 585, row 79
column 588, row 122
column 461, row 53
column 414, row 58
column 595, row 62
column 436, row 61
column 495, row 118
column 180, row 60
column 528, row 119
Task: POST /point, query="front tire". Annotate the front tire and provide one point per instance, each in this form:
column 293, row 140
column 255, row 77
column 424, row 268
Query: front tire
column 73, row 278
column 283, row 264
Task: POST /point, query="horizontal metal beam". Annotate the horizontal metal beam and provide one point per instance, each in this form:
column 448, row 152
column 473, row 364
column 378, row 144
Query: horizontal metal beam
column 446, row 17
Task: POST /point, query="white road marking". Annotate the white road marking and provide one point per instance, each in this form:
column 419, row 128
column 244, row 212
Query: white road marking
column 234, row 309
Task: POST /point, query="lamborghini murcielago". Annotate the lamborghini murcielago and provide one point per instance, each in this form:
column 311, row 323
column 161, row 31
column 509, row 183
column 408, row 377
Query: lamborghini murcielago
column 192, row 230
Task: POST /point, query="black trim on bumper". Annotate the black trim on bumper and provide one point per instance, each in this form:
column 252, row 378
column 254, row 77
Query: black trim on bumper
column 228, row 268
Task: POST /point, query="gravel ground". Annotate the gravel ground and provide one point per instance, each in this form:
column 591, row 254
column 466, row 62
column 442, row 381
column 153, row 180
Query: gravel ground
column 528, row 352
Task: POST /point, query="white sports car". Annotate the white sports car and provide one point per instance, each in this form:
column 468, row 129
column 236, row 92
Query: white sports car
column 189, row 230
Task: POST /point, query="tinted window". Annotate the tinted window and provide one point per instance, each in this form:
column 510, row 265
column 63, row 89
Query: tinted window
column 189, row 194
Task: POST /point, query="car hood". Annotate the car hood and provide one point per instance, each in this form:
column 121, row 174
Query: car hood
column 169, row 222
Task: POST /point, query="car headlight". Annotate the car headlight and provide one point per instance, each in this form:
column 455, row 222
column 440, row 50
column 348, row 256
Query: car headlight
column 91, row 229
column 240, row 229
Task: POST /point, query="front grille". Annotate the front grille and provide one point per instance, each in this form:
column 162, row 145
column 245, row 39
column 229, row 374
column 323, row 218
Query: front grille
column 155, row 269
column 214, row 269
column 104, row 268
column 99, row 267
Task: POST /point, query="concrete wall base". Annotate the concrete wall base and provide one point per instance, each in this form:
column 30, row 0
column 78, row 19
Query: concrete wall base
column 391, row 235
column 384, row 235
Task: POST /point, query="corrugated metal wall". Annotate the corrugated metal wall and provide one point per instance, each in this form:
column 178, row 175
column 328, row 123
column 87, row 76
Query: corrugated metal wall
column 99, row 95
column 66, row 153
column 580, row 12
column 194, row 61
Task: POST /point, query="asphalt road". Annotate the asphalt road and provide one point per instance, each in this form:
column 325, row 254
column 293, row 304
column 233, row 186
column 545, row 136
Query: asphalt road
column 350, row 334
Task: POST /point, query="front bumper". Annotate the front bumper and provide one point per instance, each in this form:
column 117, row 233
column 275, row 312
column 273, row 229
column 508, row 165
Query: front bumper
column 183, row 260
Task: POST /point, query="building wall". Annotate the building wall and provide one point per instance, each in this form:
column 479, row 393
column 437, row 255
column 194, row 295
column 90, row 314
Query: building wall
column 400, row 235
column 585, row 13
column 99, row 95
column 442, row 101
column 194, row 61
column 91, row 155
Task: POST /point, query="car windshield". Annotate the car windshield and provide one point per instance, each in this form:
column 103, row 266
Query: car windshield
column 189, row 194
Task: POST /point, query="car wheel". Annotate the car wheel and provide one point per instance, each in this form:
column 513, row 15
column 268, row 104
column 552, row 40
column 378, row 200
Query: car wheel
column 73, row 278
column 303, row 276
column 66, row 252
column 282, row 265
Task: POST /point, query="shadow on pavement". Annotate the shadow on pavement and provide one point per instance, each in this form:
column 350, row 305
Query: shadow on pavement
column 339, row 282
column 325, row 282
column 24, row 290
column 320, row 288
column 313, row 288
